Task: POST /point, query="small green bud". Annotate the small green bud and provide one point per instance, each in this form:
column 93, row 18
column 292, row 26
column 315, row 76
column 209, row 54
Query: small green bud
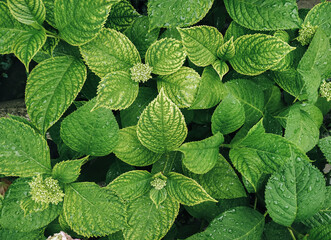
column 158, row 183
column 45, row 190
column 227, row 50
column 141, row 72
column 306, row 34
column 325, row 90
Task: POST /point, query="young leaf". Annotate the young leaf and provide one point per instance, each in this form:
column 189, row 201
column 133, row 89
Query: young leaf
column 23, row 152
column 266, row 15
column 166, row 56
column 80, row 21
column 221, row 68
column 130, row 150
column 51, row 88
column 31, row 12
column 295, row 192
column 177, row 13
column 227, row 50
column 131, row 185
column 236, row 223
column 92, row 133
column 319, row 16
column 201, row 156
column 110, row 51
column 257, row 53
column 68, row 171
column 161, row 127
column 158, row 196
column 325, row 146
column 186, row 190
column 93, row 211
column 201, row 44
column 147, row 221
column 116, row 91
column 181, row 87
column 228, row 116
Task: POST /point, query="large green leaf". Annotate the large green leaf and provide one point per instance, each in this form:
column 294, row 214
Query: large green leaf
column 13, row 216
column 23, row 152
column 186, row 190
column 319, row 16
column 68, row 171
column 266, row 15
column 130, row 150
column 201, row 156
column 79, row 21
column 320, row 233
column 181, row 87
column 201, row 44
column 228, row 116
column 177, row 13
column 295, row 192
column 257, row 53
column 325, row 146
column 161, row 126
column 236, row 224
column 90, row 132
column 49, row 6
column 116, row 91
column 110, row 51
column 6, row 234
column 147, row 221
column 30, row 12
column 131, row 185
column 93, row 211
column 274, row 231
column 51, row 88
column 166, row 56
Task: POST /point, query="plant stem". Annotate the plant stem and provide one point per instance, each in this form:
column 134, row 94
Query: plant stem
column 168, row 163
column 255, row 202
column 292, row 234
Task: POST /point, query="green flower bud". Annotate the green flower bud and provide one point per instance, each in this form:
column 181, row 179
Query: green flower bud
column 141, row 72
column 158, row 183
column 306, row 34
column 325, row 90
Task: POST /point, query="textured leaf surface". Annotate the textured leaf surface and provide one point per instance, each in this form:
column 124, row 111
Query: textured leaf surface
column 266, row 15
column 166, row 56
column 237, row 223
column 23, row 152
column 158, row 196
column 93, row 211
column 320, row 233
column 92, row 133
column 12, row 215
column 51, row 88
column 319, row 16
column 221, row 68
column 130, row 150
column 31, row 12
column 149, row 222
column 110, row 51
column 235, row 30
column 201, row 156
column 131, row 185
column 68, row 171
column 228, row 116
column 201, row 44
column 257, row 53
column 6, row 234
column 186, row 190
column 325, row 146
column 295, row 192
column 116, row 91
column 177, row 13
column 274, row 231
column 161, row 126
column 181, row 87
column 80, row 21
column 49, row 6
column 227, row 50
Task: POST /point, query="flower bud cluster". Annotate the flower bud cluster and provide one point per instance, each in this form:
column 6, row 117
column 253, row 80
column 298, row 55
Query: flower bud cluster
column 141, row 72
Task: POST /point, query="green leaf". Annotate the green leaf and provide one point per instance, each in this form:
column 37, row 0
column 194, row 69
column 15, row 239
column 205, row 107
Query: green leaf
column 295, row 192
column 166, row 56
column 161, row 127
column 158, row 196
column 181, row 87
column 117, row 167
column 28, row 44
column 13, row 216
column 31, row 12
column 30, row 206
column 210, row 90
column 23, row 152
column 149, row 222
column 237, row 223
column 78, row 21
column 90, row 132
column 186, row 190
column 116, row 91
column 228, row 116
column 221, row 68
column 319, row 16
column 274, row 231
column 6, row 234
column 235, row 30
column 130, row 150
column 320, row 233
column 93, row 211
column 325, row 146
column 49, row 6
column 257, row 53
column 68, row 171
column 109, row 52
column 177, row 13
column 201, row 156
column 266, row 15
column 51, row 88
column 227, row 50
column 201, row 44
